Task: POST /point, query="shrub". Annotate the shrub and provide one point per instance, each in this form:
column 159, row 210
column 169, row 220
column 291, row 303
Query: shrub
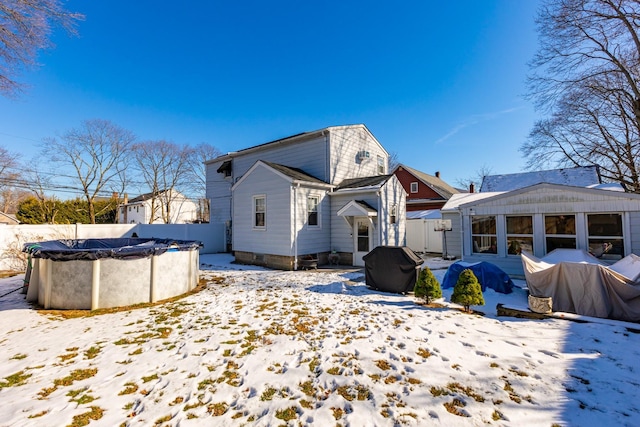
column 467, row 291
column 427, row 286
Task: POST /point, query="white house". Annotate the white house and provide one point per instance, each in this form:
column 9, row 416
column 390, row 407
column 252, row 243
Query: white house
column 496, row 226
column 163, row 207
column 308, row 195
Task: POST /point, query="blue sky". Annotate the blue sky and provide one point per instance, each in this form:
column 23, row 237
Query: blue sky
column 439, row 83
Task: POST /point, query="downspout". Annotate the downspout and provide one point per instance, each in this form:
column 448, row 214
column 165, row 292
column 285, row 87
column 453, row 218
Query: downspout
column 295, row 226
column 379, row 194
column 230, row 218
column 461, row 233
column 327, row 163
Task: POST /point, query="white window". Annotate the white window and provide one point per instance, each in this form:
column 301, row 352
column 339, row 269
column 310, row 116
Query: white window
column 259, row 212
column 606, row 238
column 414, row 187
column 483, row 234
column 393, row 214
column 381, row 168
column 312, row 211
column 519, row 234
column 560, row 232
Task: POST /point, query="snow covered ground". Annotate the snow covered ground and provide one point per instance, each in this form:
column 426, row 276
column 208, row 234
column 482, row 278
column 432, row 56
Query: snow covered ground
column 267, row 348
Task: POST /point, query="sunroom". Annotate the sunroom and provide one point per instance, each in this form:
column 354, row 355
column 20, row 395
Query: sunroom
column 497, row 227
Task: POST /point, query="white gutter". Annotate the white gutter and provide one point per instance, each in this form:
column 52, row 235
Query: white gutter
column 357, row 190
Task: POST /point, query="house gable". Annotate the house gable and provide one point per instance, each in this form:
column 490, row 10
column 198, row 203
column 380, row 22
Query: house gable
column 423, row 191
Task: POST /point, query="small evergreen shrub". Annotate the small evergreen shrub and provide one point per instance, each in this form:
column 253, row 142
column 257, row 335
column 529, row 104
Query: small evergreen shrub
column 467, row 291
column 427, row 286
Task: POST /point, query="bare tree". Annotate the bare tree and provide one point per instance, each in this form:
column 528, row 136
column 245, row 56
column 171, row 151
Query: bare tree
column 8, row 161
column 8, row 177
column 48, row 205
column 25, row 28
column 394, row 161
column 97, row 152
column 586, row 77
column 476, row 179
column 198, row 176
column 10, row 198
column 164, row 166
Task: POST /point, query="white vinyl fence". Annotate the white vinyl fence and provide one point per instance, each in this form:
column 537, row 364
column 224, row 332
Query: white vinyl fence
column 13, row 237
column 422, row 237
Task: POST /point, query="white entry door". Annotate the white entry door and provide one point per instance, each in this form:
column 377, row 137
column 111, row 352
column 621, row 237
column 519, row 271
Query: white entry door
column 362, row 240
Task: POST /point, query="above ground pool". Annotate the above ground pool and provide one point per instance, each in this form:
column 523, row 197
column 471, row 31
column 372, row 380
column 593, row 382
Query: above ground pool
column 103, row 273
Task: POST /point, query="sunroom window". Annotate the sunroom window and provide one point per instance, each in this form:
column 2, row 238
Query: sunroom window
column 606, row 238
column 519, row 234
column 560, row 232
column 483, row 234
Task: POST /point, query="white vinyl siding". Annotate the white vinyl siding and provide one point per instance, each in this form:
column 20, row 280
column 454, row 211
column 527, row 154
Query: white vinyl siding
column 309, row 156
column 312, row 239
column 345, row 163
column 275, row 238
column 219, row 194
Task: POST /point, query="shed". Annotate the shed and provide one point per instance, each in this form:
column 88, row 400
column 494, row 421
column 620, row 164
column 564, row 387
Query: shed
column 392, row 268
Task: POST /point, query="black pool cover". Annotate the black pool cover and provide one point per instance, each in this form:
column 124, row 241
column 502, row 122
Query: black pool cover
column 120, row 248
column 392, row 268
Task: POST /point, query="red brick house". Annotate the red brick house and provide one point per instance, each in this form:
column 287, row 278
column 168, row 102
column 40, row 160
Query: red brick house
column 424, row 192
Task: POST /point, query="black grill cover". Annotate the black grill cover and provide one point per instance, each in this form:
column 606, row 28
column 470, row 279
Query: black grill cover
column 392, row 268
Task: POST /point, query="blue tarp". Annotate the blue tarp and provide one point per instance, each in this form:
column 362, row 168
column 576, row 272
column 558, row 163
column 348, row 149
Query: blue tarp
column 489, row 275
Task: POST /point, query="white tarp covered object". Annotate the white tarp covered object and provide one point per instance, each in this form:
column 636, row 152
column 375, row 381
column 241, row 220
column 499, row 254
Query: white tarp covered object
column 580, row 283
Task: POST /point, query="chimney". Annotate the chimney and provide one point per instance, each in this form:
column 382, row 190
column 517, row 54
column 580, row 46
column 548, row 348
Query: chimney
column 437, row 174
column 472, row 188
column 125, row 199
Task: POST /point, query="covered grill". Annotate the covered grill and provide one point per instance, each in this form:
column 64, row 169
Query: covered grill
column 392, row 268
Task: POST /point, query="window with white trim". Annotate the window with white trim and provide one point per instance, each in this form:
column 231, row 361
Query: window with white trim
column 483, row 234
column 605, row 235
column 312, row 211
column 519, row 234
column 393, row 214
column 381, row 168
column 414, row 187
column 259, row 212
column 559, row 232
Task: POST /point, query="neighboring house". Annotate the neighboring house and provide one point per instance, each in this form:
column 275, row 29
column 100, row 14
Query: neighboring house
column 582, row 176
column 156, row 208
column 9, row 219
column 307, row 195
column 424, row 192
column 497, row 226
